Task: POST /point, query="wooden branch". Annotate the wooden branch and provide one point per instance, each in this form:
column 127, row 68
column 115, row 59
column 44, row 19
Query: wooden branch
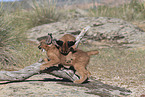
column 80, row 36
column 35, row 69
column 21, row 74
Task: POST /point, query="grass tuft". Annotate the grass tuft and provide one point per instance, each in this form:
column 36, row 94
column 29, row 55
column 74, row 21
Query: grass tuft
column 14, row 24
column 42, row 13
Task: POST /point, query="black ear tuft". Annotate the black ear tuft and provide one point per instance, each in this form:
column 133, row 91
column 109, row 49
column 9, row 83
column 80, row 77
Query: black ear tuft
column 71, row 43
column 50, row 34
column 59, row 42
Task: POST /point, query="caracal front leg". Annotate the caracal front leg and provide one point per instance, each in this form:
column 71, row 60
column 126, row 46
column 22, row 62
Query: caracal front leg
column 48, row 64
column 53, row 61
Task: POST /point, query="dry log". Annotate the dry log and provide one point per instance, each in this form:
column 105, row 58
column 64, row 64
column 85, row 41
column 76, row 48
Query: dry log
column 35, row 69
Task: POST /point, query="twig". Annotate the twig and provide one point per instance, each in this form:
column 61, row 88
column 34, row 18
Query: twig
column 80, row 36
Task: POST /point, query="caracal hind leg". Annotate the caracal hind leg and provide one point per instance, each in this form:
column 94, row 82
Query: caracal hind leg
column 82, row 72
column 88, row 74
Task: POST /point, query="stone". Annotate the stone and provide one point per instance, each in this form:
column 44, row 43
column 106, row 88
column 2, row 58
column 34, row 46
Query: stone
column 102, row 28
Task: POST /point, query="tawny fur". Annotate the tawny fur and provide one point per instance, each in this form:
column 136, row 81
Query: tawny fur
column 65, row 48
column 79, row 60
column 70, row 56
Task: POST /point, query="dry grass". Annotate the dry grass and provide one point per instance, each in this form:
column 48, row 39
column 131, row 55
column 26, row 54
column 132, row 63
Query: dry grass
column 120, row 67
column 132, row 11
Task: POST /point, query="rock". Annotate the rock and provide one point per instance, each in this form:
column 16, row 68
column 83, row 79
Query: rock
column 102, row 28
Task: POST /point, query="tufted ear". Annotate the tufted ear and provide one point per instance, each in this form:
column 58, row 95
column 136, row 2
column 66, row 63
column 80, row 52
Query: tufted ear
column 59, row 42
column 71, row 43
column 49, row 33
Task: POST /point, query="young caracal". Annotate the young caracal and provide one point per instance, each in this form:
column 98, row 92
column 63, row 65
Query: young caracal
column 64, row 53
